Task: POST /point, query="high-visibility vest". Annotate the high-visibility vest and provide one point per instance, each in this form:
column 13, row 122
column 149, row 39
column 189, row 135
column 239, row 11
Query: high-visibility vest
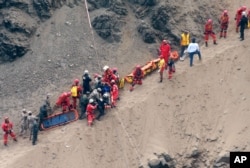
column 74, row 91
column 184, row 39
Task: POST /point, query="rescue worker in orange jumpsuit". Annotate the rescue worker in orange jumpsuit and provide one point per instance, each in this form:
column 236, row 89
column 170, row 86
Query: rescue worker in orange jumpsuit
column 238, row 16
column 165, row 50
column 108, row 75
column 161, row 66
column 76, row 91
column 209, row 32
column 7, row 127
column 114, row 93
column 138, row 74
column 224, row 20
column 90, row 111
column 64, row 101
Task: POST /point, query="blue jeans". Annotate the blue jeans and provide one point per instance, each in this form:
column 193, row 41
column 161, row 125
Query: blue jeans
column 191, row 55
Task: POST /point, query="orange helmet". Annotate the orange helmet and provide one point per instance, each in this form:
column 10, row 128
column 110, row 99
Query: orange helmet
column 76, row 81
column 209, row 21
column 164, row 41
column 225, row 12
column 112, row 81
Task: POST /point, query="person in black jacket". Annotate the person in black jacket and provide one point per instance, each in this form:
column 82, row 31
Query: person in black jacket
column 42, row 115
column 101, row 107
column 86, row 82
column 243, row 24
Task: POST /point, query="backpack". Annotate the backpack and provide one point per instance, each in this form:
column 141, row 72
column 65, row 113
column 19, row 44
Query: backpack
column 74, row 91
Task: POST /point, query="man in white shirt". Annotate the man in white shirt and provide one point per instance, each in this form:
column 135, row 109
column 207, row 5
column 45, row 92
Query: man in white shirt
column 193, row 48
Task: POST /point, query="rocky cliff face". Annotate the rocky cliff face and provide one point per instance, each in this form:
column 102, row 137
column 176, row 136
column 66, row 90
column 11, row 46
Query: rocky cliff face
column 19, row 20
column 157, row 20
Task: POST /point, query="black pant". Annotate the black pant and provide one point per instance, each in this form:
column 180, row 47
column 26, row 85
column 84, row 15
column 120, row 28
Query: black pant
column 34, row 138
column 83, row 110
column 242, row 33
column 182, row 50
column 101, row 112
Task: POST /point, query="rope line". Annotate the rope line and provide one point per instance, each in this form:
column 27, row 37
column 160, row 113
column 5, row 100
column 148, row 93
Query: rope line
column 92, row 33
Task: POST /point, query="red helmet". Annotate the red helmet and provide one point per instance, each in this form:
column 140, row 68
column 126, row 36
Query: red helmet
column 115, row 69
column 138, row 66
column 209, row 21
column 68, row 94
column 225, row 12
column 6, row 119
column 76, row 81
column 112, row 81
column 243, row 8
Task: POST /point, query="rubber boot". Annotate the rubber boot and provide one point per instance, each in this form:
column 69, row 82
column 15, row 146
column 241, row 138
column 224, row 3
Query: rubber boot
column 206, row 43
column 215, row 43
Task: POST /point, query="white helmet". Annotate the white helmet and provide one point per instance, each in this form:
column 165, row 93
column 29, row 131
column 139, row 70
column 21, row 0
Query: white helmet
column 105, row 67
column 91, row 101
column 86, row 72
column 24, row 110
column 244, row 13
column 29, row 112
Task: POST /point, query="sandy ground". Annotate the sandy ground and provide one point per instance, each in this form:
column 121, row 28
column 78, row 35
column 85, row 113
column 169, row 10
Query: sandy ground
column 205, row 107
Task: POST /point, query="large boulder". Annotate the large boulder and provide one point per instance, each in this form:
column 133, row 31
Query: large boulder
column 107, row 27
column 43, row 8
column 148, row 35
column 15, row 20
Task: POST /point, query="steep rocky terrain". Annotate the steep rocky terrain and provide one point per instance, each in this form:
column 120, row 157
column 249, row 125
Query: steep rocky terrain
column 190, row 120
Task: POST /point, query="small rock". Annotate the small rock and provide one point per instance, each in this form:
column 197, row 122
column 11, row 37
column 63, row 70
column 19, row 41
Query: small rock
column 238, row 69
column 243, row 98
column 49, row 60
column 68, row 23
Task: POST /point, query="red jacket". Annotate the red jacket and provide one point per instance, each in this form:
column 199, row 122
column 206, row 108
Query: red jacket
column 63, row 100
column 208, row 28
column 108, row 76
column 90, row 108
column 115, row 91
column 165, row 50
column 7, row 126
column 238, row 15
column 138, row 73
column 224, row 19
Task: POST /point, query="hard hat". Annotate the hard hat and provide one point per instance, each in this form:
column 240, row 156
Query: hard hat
column 76, row 81
column 225, row 12
column 138, row 66
column 86, row 72
column 91, row 101
column 106, row 67
column 99, row 89
column 164, row 41
column 29, row 112
column 114, row 69
column 6, row 119
column 209, row 21
column 112, row 81
column 243, row 8
column 24, row 110
column 105, row 95
column 244, row 13
column 68, row 93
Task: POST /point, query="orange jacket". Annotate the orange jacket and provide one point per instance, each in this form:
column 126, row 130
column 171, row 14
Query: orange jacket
column 90, row 109
column 208, row 28
column 224, row 19
column 165, row 50
column 138, row 73
column 115, row 91
column 63, row 100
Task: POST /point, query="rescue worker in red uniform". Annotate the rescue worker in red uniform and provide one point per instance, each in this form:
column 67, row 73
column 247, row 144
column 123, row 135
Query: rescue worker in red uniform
column 209, row 32
column 138, row 74
column 76, row 91
column 238, row 16
column 114, row 93
column 224, row 20
column 108, row 75
column 90, row 111
column 7, row 127
column 64, row 101
column 165, row 50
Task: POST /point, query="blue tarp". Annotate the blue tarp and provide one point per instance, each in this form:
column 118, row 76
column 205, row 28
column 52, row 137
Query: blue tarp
column 59, row 119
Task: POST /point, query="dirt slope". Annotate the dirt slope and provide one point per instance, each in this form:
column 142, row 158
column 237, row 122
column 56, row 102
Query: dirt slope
column 204, row 107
